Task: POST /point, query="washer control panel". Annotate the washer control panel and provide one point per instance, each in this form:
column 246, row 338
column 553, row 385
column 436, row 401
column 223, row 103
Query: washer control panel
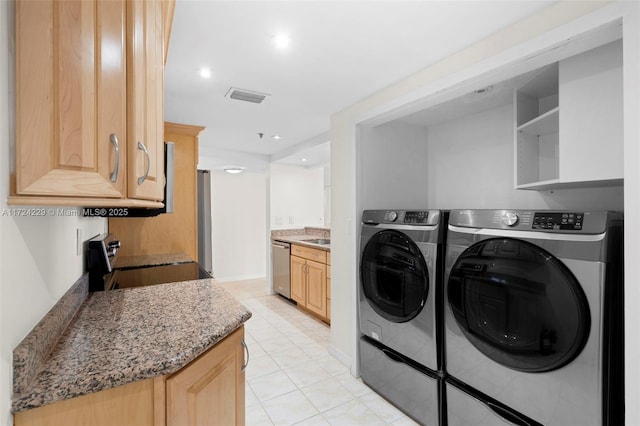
column 561, row 221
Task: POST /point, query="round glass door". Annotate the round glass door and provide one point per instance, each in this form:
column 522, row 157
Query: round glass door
column 394, row 276
column 519, row 305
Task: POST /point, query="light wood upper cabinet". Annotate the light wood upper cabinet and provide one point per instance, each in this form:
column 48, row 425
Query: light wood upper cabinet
column 210, row 390
column 89, row 86
column 145, row 73
column 70, row 98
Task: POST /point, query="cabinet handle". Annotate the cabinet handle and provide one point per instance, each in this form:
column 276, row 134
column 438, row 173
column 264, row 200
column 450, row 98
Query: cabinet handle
column 146, row 153
column 246, row 350
column 116, row 147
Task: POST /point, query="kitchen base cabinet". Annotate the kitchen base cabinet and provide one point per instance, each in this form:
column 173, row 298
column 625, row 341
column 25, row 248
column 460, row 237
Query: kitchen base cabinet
column 208, row 391
column 131, row 404
column 309, row 280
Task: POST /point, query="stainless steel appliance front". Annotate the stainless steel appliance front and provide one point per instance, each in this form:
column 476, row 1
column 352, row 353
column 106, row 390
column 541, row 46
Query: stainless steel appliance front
column 281, row 268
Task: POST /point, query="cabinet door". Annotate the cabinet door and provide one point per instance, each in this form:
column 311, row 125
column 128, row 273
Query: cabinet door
column 70, row 98
column 317, row 287
column 145, row 99
column 591, row 117
column 210, row 390
column 298, row 279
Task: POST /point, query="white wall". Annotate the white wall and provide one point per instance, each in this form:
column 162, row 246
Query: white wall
column 470, row 164
column 296, row 196
column 506, row 48
column 238, row 225
column 393, row 169
column 38, row 261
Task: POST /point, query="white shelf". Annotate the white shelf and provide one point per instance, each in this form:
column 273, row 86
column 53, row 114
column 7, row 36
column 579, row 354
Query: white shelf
column 543, row 124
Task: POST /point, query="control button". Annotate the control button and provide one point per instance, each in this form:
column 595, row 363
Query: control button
column 509, row 219
column 392, row 216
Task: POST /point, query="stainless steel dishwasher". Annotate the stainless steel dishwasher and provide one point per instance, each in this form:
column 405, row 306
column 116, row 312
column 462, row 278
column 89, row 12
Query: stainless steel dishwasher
column 281, row 272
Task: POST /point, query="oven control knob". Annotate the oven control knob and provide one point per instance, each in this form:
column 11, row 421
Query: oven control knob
column 392, row 216
column 509, row 219
column 114, row 244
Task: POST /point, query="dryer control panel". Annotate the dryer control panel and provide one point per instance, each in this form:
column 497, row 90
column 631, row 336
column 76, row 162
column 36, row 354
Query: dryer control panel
column 400, row 217
column 562, row 221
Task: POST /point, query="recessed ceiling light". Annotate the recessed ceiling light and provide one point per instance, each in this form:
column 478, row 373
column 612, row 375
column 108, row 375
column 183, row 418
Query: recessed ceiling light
column 304, row 160
column 234, row 170
column 281, row 41
column 205, row 72
column 276, row 137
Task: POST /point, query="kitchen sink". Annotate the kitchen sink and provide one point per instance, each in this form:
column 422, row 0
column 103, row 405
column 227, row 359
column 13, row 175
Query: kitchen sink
column 321, row 241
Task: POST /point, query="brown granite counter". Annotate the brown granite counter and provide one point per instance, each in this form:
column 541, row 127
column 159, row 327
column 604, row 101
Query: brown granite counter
column 121, row 336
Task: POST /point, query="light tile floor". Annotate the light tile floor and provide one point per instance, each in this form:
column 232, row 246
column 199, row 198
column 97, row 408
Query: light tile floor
column 291, row 378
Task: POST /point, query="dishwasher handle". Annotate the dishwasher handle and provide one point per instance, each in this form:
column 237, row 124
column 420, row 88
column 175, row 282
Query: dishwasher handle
column 281, row 245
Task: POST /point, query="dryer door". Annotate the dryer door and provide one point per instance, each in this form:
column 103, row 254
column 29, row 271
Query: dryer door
column 519, row 305
column 394, row 276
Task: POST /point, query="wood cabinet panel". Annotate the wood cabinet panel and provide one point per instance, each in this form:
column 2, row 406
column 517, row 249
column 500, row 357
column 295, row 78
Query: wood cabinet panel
column 309, row 280
column 145, row 105
column 62, row 83
column 210, row 390
column 131, row 404
column 298, row 279
column 176, row 232
column 309, row 253
column 317, row 288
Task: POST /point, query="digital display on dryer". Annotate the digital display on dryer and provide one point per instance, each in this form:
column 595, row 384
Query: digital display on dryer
column 558, row 221
column 416, row 217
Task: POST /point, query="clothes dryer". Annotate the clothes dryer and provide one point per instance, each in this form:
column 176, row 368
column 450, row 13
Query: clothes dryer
column 400, row 271
column 399, row 306
column 533, row 314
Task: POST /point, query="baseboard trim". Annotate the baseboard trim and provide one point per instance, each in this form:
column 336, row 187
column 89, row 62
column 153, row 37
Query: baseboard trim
column 340, row 356
column 238, row 278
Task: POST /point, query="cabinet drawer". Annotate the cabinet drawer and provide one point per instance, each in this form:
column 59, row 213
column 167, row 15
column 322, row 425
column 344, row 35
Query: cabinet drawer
column 309, row 253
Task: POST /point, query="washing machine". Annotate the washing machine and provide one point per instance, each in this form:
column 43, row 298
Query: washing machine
column 399, row 307
column 534, row 314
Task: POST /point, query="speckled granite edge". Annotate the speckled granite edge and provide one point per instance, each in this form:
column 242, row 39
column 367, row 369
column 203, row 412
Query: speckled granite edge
column 151, row 260
column 30, row 354
column 122, row 336
column 309, row 230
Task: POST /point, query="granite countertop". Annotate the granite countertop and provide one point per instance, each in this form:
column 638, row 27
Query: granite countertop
column 302, row 236
column 122, row 336
column 151, row 260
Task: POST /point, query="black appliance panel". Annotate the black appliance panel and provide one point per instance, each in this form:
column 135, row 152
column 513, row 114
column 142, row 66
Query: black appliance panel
column 394, row 276
column 161, row 274
column 519, row 305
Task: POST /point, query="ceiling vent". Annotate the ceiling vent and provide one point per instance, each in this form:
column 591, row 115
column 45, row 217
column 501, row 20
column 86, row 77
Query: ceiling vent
column 246, row 95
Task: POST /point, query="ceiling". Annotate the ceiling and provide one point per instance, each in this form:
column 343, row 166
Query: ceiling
column 340, row 52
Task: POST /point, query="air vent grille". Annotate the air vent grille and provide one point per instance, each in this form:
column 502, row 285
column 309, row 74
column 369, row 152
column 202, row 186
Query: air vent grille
column 246, row 95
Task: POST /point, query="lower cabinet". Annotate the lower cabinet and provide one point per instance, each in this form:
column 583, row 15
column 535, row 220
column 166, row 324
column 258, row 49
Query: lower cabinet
column 208, row 391
column 309, row 280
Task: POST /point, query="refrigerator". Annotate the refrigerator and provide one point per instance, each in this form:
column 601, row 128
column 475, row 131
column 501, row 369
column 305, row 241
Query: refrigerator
column 204, row 220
